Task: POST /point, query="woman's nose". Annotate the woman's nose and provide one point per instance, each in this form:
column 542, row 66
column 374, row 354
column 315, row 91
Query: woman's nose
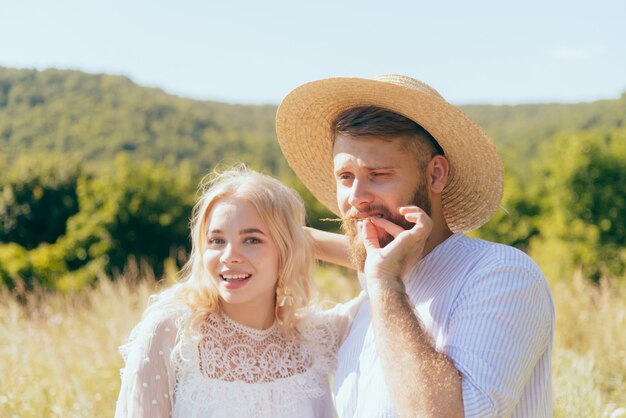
column 230, row 255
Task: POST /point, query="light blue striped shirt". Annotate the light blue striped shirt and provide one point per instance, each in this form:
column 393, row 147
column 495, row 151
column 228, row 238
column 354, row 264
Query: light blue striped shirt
column 486, row 306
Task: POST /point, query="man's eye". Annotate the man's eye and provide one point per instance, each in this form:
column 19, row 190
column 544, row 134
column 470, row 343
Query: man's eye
column 345, row 176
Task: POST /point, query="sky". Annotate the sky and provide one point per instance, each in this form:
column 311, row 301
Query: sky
column 255, row 52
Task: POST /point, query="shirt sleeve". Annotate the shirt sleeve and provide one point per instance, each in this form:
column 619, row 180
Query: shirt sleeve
column 342, row 315
column 500, row 326
column 148, row 378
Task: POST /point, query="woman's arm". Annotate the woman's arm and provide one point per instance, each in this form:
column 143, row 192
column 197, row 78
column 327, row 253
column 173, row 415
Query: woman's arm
column 330, row 247
column 148, row 377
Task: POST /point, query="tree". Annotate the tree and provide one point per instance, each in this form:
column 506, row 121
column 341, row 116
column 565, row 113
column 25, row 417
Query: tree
column 138, row 210
column 37, row 196
column 134, row 210
column 583, row 201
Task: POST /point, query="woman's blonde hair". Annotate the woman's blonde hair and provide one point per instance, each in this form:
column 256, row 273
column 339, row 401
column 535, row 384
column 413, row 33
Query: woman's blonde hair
column 282, row 210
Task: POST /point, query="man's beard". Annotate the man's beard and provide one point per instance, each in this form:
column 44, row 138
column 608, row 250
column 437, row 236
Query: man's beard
column 349, row 226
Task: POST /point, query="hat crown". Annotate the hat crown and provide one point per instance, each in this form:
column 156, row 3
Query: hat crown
column 408, row 82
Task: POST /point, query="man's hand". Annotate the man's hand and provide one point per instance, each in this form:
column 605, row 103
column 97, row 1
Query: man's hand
column 406, row 351
column 395, row 259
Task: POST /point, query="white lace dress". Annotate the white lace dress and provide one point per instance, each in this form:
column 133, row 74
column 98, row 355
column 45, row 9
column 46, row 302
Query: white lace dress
column 230, row 370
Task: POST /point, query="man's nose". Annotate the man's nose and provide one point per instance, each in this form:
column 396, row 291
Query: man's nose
column 360, row 194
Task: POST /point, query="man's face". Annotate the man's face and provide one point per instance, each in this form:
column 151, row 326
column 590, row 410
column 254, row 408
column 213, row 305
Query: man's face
column 375, row 177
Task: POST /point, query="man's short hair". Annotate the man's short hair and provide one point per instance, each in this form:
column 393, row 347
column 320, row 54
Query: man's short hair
column 373, row 121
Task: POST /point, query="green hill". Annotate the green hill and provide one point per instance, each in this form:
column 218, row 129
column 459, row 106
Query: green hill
column 520, row 130
column 99, row 115
column 97, row 170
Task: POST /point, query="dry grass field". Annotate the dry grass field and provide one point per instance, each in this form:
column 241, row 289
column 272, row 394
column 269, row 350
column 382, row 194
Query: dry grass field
column 59, row 358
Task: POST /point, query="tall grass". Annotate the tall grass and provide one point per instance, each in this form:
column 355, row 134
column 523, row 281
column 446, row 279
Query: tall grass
column 589, row 361
column 58, row 353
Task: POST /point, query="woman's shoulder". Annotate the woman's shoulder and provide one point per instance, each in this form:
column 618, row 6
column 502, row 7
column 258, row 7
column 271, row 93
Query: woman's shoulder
column 323, row 331
column 163, row 316
column 340, row 316
column 345, row 309
column 159, row 324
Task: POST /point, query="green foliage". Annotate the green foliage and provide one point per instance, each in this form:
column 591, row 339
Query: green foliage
column 135, row 210
column 64, row 222
column 520, row 131
column 36, row 199
column 138, row 211
column 570, row 217
column 516, row 222
column 101, row 115
column 583, row 202
column 15, row 265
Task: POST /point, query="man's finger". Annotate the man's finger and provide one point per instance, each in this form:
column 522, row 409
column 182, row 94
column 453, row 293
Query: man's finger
column 388, row 226
column 410, row 209
column 370, row 236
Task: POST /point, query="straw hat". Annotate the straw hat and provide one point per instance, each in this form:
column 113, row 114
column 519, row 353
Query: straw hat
column 305, row 134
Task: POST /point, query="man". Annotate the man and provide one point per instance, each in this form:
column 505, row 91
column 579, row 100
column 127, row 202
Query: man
column 452, row 326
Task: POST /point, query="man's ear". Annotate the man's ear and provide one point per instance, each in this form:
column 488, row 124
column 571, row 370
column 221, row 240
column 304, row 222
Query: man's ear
column 438, row 170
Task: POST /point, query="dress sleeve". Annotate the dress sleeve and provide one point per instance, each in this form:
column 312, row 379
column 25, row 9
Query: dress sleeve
column 501, row 325
column 148, row 378
column 342, row 315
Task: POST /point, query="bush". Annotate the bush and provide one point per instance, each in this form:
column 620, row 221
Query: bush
column 134, row 210
column 37, row 199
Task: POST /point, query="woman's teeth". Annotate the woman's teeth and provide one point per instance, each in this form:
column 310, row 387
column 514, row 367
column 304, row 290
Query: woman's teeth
column 229, row 277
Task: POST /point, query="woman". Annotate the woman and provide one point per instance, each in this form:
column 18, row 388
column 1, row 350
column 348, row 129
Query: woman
column 237, row 337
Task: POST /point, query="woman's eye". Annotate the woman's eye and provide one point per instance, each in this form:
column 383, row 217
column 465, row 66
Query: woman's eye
column 216, row 241
column 252, row 240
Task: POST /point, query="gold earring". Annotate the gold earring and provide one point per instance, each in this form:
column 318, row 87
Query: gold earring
column 283, row 296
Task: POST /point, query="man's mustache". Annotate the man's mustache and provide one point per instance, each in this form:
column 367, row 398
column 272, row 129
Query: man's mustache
column 381, row 211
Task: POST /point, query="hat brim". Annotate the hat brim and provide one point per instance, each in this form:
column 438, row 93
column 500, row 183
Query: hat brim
column 305, row 134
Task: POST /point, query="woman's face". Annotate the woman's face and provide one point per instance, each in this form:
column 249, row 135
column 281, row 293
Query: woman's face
column 241, row 257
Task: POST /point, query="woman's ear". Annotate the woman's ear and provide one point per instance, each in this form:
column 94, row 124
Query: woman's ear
column 438, row 170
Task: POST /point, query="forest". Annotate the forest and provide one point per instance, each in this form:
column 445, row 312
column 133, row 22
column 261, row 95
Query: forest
column 97, row 171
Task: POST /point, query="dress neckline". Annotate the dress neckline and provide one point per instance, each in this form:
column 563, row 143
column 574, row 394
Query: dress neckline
column 253, row 332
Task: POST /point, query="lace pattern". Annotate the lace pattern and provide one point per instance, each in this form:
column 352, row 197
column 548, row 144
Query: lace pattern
column 224, row 369
column 250, row 370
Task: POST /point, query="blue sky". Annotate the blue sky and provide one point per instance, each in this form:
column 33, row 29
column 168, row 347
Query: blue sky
column 481, row 51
